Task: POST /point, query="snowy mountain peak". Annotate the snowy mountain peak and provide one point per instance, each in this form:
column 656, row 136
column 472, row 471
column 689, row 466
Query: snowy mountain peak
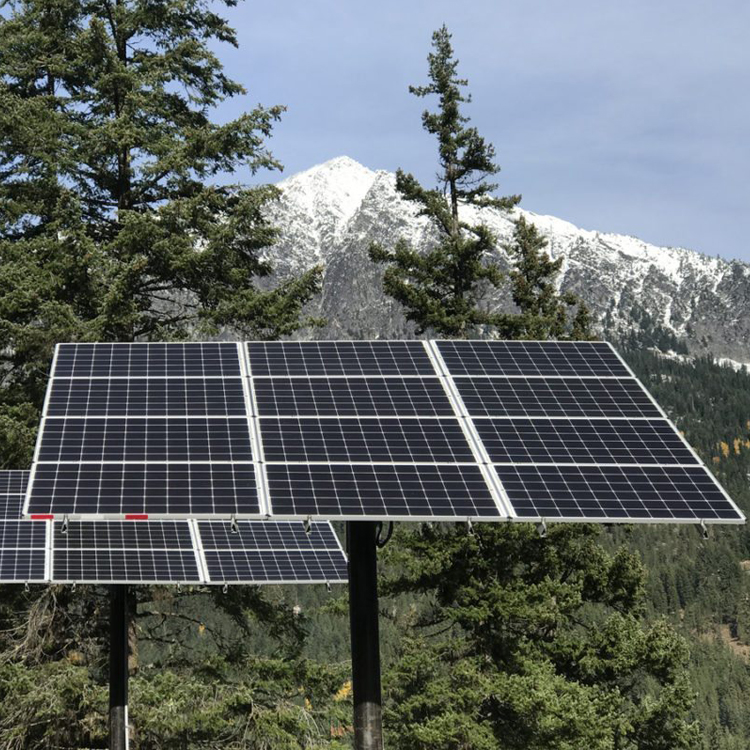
column 331, row 213
column 338, row 185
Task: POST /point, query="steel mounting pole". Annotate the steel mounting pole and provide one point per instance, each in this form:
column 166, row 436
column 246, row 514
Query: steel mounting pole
column 119, row 621
column 361, row 537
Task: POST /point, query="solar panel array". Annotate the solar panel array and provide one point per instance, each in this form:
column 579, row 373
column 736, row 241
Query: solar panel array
column 396, row 430
column 159, row 551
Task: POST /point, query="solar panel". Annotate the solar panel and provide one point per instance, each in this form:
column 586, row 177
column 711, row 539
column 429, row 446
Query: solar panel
column 391, row 440
column 332, row 358
column 153, row 360
column 547, row 358
column 272, row 552
column 146, row 439
column 353, row 430
column 564, row 397
column 152, row 397
column 155, row 489
column 617, row 493
column 352, row 397
column 400, row 491
column 125, row 566
column 582, row 441
column 23, row 565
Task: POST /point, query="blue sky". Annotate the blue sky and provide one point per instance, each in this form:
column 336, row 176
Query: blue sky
column 625, row 117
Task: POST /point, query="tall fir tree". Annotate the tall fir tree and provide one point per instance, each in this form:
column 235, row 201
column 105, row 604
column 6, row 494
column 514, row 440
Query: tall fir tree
column 525, row 642
column 440, row 289
column 117, row 223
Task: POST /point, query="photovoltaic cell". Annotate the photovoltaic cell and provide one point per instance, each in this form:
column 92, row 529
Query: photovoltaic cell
column 549, row 358
column 125, row 566
column 180, row 489
column 582, row 441
column 22, row 551
column 352, row 397
column 267, row 535
column 152, row 359
column 389, row 440
column 618, row 493
column 153, row 397
column 379, row 491
column 565, row 397
column 276, row 567
column 146, row 439
column 100, row 535
column 339, row 358
column 13, row 482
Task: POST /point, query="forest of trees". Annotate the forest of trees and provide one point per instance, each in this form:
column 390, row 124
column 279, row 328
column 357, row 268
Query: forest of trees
column 114, row 225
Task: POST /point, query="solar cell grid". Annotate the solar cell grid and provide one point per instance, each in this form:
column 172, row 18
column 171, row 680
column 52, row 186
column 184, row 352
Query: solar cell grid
column 565, row 397
column 22, row 534
column 179, row 489
column 332, row 358
column 11, row 507
column 276, row 567
column 135, row 439
column 131, row 566
column 124, row 535
column 548, row 358
column 630, row 493
column 380, row 491
column 152, row 397
column 267, row 535
column 599, row 441
column 147, row 359
column 370, row 440
column 13, row 482
column 22, row 565
column 353, row 397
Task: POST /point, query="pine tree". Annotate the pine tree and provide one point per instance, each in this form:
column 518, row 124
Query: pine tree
column 440, row 289
column 543, row 312
column 115, row 223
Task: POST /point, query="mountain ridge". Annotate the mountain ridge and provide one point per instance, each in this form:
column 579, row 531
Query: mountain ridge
column 330, row 213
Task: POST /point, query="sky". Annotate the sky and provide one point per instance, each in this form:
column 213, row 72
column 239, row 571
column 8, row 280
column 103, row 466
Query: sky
column 629, row 117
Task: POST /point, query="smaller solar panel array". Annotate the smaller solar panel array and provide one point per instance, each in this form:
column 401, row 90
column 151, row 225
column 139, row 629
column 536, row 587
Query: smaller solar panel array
column 157, row 552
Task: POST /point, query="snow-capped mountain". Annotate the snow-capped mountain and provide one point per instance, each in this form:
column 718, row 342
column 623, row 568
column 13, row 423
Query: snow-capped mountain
column 331, row 213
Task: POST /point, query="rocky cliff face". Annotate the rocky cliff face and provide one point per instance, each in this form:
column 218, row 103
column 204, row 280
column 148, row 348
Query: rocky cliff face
column 331, row 213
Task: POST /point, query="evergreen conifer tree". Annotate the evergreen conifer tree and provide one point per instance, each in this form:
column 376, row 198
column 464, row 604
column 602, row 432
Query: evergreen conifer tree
column 117, row 223
column 440, row 289
column 526, row 642
column 543, row 312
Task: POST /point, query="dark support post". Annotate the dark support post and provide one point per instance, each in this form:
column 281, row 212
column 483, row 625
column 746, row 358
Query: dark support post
column 118, row 667
column 363, row 618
